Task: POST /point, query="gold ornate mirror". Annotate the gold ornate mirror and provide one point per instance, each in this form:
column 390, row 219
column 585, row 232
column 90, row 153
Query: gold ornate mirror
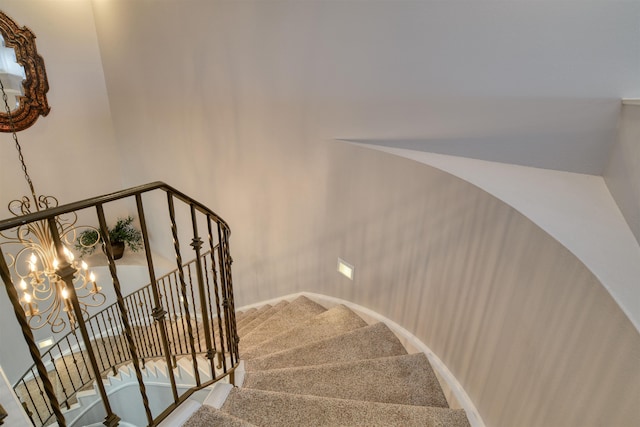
column 23, row 76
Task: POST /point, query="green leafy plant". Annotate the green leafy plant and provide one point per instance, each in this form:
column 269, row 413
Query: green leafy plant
column 122, row 232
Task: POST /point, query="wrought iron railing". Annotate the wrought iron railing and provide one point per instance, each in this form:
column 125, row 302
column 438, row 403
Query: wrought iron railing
column 188, row 312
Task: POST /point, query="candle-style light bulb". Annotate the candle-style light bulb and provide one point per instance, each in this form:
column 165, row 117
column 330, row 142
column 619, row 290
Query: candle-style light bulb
column 94, row 288
column 85, row 266
column 55, row 264
column 64, row 293
column 31, row 309
column 68, row 254
column 23, row 285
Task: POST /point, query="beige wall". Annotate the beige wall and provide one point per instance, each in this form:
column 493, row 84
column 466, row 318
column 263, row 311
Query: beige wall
column 524, row 326
column 531, row 335
column 221, row 114
column 71, row 153
column 623, row 172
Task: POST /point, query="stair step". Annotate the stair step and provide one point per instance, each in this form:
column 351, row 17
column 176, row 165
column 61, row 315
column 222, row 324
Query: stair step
column 294, row 313
column 218, row 394
column 150, row 369
column 268, row 408
column 181, row 415
column 335, row 321
column 161, row 368
column 251, row 316
column 261, row 318
column 243, row 314
column 208, row 416
column 204, row 366
column 407, row 380
column 369, row 342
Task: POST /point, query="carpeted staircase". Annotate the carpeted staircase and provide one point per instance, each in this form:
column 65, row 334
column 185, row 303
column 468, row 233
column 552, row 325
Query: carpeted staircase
column 309, row 366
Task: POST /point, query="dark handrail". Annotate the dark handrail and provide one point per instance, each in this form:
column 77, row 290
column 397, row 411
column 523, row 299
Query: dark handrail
column 129, row 330
column 3, row 415
column 68, row 350
column 88, row 203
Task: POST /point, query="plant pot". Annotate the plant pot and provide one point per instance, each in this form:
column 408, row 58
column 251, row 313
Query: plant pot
column 118, row 249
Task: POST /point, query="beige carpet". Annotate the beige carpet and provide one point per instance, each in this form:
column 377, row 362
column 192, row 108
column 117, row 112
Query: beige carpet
column 208, row 416
column 307, row 366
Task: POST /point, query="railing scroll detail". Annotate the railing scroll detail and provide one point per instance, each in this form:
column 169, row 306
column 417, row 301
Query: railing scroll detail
column 187, row 312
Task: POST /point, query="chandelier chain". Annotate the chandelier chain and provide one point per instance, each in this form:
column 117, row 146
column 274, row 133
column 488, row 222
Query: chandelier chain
column 18, row 147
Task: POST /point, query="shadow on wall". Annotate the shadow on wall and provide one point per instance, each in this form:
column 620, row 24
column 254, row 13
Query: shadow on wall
column 525, row 327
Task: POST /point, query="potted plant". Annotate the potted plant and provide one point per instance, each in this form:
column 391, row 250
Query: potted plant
column 123, row 233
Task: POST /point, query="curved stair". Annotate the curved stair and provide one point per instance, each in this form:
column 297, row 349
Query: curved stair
column 309, row 366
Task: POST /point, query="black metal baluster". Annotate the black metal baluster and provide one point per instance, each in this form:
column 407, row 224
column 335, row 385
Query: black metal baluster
column 135, row 315
column 25, row 406
column 93, row 334
column 123, row 313
column 216, row 290
column 107, row 348
column 193, row 304
column 182, row 336
column 33, row 403
column 66, row 367
column 66, row 272
column 127, row 352
column 114, row 340
column 157, row 347
column 173, row 347
column 230, row 298
column 159, row 313
column 214, row 275
column 12, row 293
column 62, row 387
column 75, row 362
column 196, row 244
column 117, row 333
column 211, row 318
column 183, row 285
column 143, row 324
column 137, row 335
column 224, row 336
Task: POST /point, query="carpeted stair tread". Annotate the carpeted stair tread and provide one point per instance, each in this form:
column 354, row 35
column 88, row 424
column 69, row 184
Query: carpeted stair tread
column 370, row 342
column 251, row 317
column 406, row 379
column 244, row 314
column 265, row 408
column 297, row 311
column 209, row 416
column 261, row 318
column 332, row 322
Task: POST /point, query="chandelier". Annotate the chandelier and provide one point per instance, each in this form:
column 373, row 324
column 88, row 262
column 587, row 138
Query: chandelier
column 34, row 262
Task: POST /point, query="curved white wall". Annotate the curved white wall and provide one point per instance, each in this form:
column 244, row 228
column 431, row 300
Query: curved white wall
column 575, row 209
column 254, row 103
column 527, row 329
column 623, row 171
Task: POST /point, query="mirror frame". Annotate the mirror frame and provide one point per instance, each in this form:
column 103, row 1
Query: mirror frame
column 34, row 101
